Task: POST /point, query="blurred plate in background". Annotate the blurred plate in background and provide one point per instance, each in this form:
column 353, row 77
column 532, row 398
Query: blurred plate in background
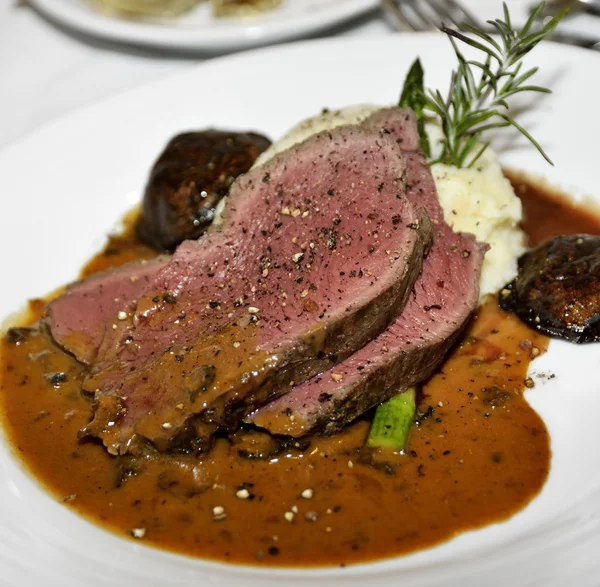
column 199, row 30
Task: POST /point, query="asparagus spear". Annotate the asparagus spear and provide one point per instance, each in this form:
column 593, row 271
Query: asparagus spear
column 393, row 420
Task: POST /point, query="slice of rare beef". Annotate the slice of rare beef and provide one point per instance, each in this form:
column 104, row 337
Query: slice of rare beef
column 83, row 321
column 318, row 251
column 79, row 318
column 413, row 345
column 203, row 264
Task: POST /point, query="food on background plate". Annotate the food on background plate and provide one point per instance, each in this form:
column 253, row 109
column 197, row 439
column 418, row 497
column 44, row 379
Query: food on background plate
column 174, row 8
column 244, row 8
column 287, row 388
column 146, row 8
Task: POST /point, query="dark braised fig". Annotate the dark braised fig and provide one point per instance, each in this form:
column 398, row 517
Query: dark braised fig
column 189, row 179
column 557, row 289
column 18, row 335
column 126, row 467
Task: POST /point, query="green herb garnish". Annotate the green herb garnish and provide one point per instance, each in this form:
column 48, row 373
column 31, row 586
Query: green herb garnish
column 479, row 90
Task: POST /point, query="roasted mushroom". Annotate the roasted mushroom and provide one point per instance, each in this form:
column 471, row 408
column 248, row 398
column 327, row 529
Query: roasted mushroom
column 557, row 290
column 188, row 180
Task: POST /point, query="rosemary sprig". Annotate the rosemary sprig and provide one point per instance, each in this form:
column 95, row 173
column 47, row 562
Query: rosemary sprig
column 479, row 91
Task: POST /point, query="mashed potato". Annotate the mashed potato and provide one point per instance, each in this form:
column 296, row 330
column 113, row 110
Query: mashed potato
column 479, row 200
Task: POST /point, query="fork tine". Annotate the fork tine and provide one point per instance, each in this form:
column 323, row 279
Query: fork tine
column 408, row 15
column 405, row 22
column 427, row 15
column 391, row 8
column 451, row 12
column 465, row 15
column 427, row 22
column 442, row 14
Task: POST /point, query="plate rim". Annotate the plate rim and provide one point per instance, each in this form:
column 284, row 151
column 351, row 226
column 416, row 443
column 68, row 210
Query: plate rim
column 85, row 111
column 233, row 37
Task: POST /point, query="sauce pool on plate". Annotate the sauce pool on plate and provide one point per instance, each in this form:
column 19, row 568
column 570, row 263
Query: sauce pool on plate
column 478, row 455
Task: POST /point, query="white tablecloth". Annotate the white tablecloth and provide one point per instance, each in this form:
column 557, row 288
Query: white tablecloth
column 47, row 71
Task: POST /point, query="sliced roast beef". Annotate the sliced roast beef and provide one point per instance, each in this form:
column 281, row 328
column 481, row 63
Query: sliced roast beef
column 413, row 345
column 79, row 318
column 398, row 124
column 224, row 252
column 318, row 252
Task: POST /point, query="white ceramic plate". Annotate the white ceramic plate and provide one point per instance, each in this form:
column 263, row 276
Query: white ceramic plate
column 62, row 189
column 200, row 31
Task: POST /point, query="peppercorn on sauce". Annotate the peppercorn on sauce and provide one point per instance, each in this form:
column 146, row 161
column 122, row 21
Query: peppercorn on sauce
column 478, row 454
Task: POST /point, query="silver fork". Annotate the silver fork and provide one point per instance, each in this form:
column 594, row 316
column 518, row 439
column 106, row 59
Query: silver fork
column 429, row 15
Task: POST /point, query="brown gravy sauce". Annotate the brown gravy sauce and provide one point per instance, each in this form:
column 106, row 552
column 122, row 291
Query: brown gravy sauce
column 480, row 454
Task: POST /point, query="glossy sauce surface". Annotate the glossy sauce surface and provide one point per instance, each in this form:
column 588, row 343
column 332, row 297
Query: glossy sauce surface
column 548, row 212
column 479, row 454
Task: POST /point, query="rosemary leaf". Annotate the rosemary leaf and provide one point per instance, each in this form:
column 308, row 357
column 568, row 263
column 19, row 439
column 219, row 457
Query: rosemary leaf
column 512, row 122
column 479, row 92
column 479, row 153
column 472, row 42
